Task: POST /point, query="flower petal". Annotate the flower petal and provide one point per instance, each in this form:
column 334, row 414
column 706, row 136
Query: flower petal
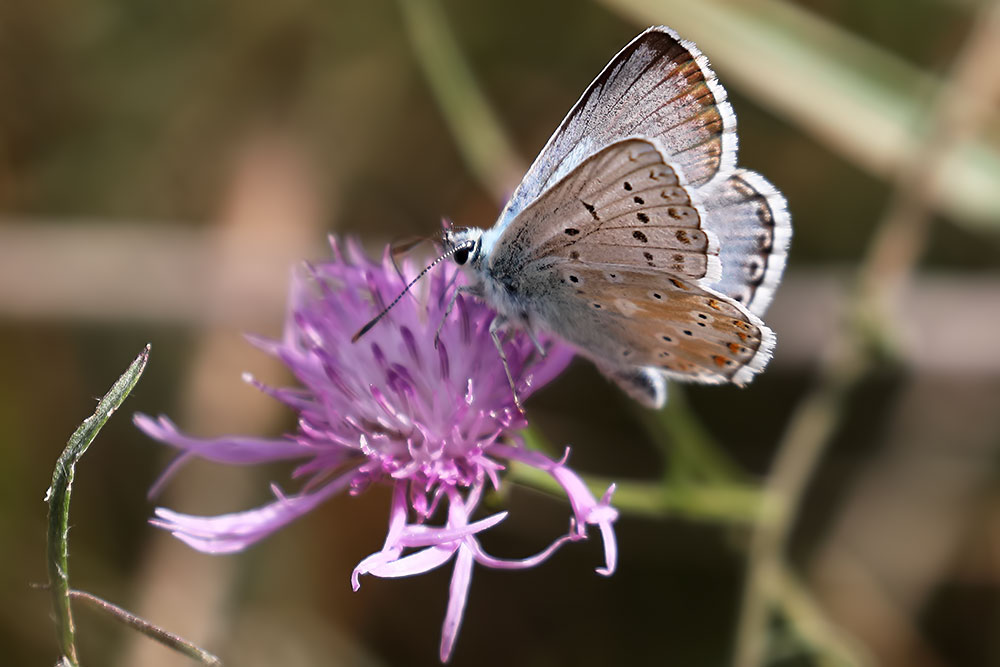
column 227, row 533
column 418, row 562
column 418, row 536
column 484, row 558
column 557, row 358
column 586, row 508
column 227, row 449
column 458, row 595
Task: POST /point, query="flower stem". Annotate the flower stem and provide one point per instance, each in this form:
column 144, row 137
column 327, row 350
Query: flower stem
column 169, row 639
column 58, row 497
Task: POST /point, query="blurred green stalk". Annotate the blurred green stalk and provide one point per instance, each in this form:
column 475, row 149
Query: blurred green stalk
column 477, row 131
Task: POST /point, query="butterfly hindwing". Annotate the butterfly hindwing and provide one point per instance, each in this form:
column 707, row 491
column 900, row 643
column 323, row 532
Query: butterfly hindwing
column 751, row 221
column 625, row 319
column 658, row 87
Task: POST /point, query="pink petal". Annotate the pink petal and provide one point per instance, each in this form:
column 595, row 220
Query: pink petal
column 418, row 536
column 227, row 533
column 372, row 562
column 610, row 549
column 418, row 562
column 484, row 558
column 458, row 595
column 227, row 449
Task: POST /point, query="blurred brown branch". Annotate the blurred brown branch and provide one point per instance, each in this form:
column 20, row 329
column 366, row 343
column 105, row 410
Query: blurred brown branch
column 43, row 276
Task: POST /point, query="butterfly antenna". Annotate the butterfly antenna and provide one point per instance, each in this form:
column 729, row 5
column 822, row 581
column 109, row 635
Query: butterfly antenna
column 468, row 245
column 401, row 246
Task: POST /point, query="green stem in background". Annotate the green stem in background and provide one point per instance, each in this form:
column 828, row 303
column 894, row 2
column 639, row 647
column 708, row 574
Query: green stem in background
column 834, row 647
column 477, row 131
column 58, row 497
column 693, row 455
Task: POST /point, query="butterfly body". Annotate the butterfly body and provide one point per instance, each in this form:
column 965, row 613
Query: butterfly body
column 634, row 237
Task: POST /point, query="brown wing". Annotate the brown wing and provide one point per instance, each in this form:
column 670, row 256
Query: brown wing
column 623, row 207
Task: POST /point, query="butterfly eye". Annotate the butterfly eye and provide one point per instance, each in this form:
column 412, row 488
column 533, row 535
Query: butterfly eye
column 461, row 256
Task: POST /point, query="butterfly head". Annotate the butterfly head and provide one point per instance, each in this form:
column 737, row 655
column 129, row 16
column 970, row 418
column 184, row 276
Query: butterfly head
column 465, row 244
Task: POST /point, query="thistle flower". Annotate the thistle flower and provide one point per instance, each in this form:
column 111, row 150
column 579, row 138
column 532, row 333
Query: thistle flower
column 438, row 424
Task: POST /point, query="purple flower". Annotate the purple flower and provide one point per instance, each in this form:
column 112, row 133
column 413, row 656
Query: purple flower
column 438, row 424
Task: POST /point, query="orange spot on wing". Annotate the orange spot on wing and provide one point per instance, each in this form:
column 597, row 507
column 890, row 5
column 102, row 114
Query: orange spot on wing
column 714, row 303
column 734, row 348
column 678, row 284
column 719, row 360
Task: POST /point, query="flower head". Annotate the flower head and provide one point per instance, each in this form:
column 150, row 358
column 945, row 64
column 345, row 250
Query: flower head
column 437, row 422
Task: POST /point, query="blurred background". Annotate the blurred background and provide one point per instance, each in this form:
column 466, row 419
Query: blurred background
column 163, row 165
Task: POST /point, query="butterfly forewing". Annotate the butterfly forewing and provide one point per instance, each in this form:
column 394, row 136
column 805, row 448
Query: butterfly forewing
column 658, row 87
column 622, row 208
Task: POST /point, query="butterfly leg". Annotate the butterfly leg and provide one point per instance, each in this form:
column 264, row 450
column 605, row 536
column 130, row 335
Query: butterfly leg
column 447, row 311
column 447, row 288
column 500, row 322
column 534, row 339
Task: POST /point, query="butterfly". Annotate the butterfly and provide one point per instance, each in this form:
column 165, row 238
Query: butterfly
column 633, row 236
